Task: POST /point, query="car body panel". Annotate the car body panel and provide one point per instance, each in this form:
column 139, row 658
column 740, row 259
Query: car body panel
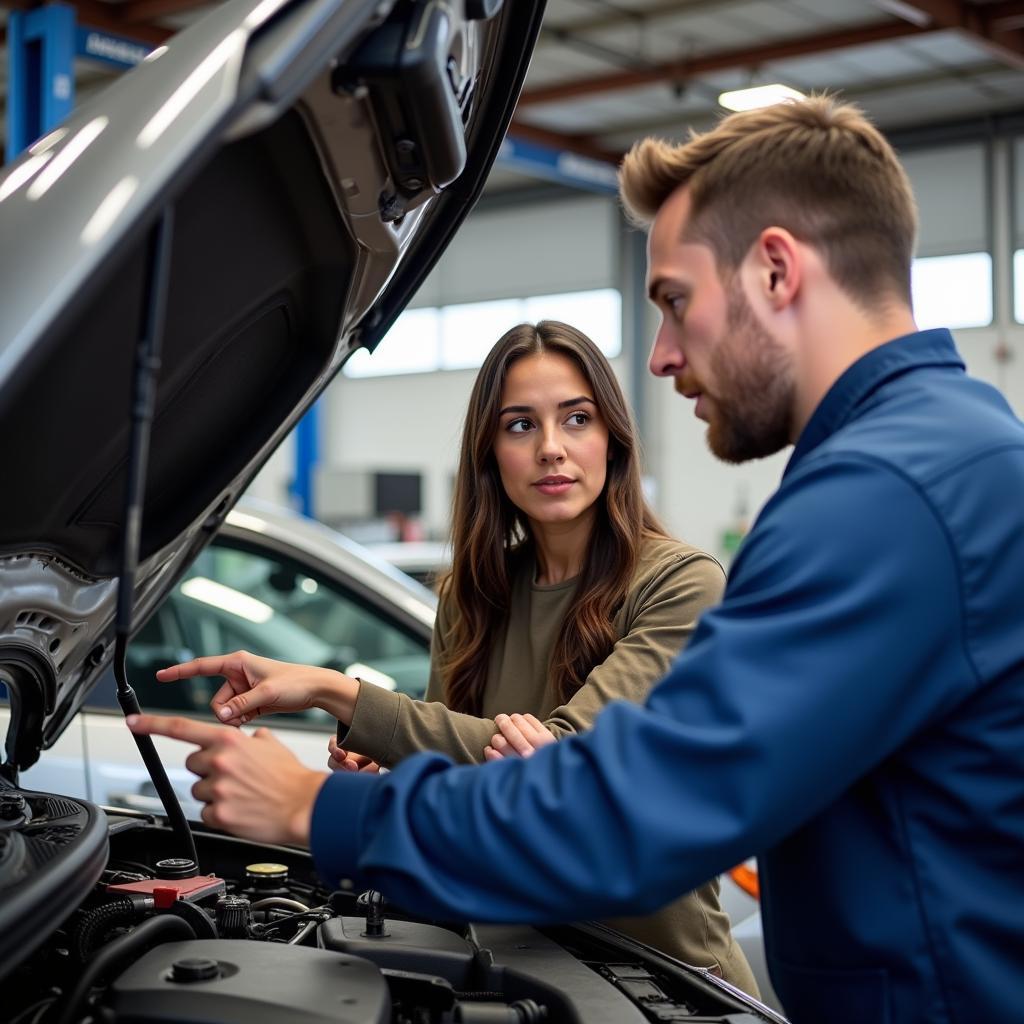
column 250, row 161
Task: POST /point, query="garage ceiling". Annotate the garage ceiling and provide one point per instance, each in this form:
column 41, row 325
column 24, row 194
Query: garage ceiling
column 607, row 71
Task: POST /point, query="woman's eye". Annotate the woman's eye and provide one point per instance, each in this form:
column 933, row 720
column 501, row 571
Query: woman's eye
column 519, row 426
column 579, row 419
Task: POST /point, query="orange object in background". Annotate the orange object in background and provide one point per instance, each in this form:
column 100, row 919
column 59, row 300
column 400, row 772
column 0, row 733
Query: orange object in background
column 745, row 877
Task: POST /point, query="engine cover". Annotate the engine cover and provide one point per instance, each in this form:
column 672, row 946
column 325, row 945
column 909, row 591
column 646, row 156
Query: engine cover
column 251, row 983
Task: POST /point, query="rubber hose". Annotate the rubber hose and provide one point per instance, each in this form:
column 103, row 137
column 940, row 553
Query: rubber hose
column 128, row 947
column 93, row 920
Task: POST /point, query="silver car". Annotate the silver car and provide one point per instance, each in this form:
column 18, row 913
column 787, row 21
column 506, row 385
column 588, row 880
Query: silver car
column 271, row 581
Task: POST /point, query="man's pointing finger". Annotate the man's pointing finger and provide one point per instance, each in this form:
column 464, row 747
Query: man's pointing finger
column 176, row 728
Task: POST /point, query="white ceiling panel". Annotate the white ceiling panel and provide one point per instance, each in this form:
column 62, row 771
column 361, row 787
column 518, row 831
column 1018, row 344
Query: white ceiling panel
column 594, row 114
column 882, row 60
column 552, row 64
column 944, row 100
column 948, row 48
column 835, row 14
column 706, row 33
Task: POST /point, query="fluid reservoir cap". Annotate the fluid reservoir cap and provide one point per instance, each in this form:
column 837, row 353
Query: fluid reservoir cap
column 197, row 968
column 267, row 873
column 176, row 867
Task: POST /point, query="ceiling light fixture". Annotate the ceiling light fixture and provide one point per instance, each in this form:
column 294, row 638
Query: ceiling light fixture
column 758, row 96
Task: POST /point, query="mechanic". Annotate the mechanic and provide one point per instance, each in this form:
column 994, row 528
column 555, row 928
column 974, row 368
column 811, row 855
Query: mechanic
column 851, row 712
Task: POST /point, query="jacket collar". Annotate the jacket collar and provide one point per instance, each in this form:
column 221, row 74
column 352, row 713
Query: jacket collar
column 859, row 381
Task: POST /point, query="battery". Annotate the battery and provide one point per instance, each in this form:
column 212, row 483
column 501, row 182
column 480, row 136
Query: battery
column 166, row 891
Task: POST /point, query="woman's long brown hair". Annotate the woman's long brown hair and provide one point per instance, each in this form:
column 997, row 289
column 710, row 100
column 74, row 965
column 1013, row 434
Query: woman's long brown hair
column 489, row 534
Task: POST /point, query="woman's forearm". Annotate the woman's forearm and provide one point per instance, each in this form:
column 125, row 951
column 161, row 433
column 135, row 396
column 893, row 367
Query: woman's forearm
column 336, row 694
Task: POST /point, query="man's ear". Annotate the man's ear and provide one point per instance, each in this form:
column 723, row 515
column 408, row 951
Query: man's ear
column 778, row 267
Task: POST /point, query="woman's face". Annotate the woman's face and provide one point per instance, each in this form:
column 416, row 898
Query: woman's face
column 552, row 442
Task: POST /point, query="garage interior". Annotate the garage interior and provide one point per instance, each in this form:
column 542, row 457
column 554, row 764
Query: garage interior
column 943, row 78
column 376, row 457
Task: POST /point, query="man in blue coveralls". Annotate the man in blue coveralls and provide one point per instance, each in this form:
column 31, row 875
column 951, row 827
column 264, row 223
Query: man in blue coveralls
column 851, row 713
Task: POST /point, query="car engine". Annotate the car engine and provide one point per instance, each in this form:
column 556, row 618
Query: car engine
column 123, row 930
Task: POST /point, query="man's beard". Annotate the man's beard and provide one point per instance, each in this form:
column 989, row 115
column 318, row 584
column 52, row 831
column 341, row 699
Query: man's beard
column 753, row 400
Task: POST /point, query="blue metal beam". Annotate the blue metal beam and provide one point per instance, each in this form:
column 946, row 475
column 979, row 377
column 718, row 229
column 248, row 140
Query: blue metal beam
column 562, row 166
column 307, row 455
column 41, row 82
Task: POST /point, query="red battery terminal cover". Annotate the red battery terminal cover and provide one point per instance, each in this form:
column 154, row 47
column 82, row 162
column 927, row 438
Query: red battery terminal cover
column 166, row 891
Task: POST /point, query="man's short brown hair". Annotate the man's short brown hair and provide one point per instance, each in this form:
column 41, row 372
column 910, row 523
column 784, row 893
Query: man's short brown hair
column 816, row 167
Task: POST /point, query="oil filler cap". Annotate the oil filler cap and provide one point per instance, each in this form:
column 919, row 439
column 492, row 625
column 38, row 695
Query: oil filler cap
column 196, row 968
column 176, row 867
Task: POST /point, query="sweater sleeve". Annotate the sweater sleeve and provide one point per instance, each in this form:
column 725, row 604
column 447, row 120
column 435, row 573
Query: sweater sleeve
column 661, row 614
column 389, row 726
column 661, row 617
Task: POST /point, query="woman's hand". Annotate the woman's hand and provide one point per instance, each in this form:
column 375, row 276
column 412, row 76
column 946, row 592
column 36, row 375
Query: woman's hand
column 346, row 761
column 260, row 686
column 520, row 736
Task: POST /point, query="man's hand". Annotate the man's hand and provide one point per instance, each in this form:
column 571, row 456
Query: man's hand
column 341, row 760
column 260, row 686
column 252, row 786
column 520, row 736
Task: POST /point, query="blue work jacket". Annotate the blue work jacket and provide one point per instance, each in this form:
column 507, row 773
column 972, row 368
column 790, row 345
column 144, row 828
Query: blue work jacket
column 852, row 713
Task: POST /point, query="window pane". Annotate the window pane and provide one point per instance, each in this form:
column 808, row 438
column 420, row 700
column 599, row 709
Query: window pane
column 598, row 314
column 411, row 346
column 458, row 337
column 1018, row 286
column 469, row 331
column 953, row 291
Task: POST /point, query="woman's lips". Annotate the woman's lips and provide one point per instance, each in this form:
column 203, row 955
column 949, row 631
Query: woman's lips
column 554, row 485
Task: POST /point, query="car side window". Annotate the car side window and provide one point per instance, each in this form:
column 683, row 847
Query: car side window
column 234, row 597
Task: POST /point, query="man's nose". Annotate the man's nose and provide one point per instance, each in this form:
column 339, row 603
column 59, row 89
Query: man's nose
column 667, row 359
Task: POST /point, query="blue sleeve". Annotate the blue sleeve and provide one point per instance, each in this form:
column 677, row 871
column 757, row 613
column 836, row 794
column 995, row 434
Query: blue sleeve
column 840, row 635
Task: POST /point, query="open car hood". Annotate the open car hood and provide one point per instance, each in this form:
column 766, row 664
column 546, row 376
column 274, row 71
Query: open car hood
column 316, row 156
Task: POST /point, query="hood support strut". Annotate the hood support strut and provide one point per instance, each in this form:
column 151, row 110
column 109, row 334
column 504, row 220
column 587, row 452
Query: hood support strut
column 147, row 364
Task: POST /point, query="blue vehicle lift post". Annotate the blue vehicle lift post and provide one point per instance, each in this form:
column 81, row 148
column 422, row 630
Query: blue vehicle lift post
column 41, row 84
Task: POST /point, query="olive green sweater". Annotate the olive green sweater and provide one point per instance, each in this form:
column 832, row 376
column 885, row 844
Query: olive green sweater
column 672, row 585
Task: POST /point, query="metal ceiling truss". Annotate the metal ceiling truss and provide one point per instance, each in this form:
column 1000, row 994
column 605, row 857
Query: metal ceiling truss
column 999, row 27
column 679, row 71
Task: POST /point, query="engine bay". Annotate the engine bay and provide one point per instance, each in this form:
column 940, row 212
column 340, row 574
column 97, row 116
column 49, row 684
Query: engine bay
column 123, row 929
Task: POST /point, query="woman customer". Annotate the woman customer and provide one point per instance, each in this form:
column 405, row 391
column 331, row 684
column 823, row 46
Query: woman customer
column 565, row 593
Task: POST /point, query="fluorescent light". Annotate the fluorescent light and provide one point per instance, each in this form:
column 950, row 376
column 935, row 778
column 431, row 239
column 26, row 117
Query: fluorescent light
column 109, row 210
column 227, row 599
column 759, row 96
column 227, row 49
column 72, row 150
column 22, row 174
column 48, row 141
